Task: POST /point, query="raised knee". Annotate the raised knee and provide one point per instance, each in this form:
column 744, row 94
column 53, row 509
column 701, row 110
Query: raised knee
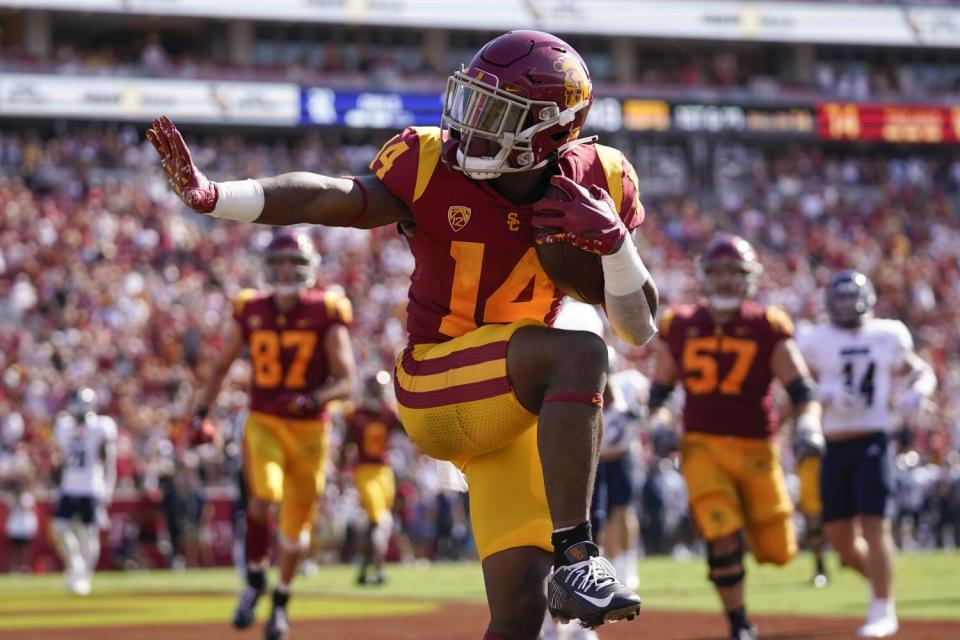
column 583, row 352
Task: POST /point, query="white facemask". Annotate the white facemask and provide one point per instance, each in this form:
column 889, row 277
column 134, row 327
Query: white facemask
column 724, row 303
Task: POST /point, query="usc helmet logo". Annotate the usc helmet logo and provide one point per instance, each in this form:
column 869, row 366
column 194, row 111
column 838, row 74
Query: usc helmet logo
column 576, row 83
column 458, row 216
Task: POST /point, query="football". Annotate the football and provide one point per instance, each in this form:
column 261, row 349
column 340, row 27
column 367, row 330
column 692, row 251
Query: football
column 576, row 272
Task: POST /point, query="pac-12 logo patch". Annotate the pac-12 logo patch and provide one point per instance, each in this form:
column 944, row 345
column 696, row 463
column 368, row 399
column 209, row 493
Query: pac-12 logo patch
column 458, row 217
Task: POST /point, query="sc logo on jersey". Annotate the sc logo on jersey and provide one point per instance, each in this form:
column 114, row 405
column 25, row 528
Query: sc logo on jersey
column 458, row 216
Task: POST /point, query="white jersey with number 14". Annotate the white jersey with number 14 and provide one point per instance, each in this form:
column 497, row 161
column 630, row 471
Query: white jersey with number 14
column 855, row 370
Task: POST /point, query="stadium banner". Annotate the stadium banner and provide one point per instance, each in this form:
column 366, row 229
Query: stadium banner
column 370, row 109
column 111, row 98
column 797, row 21
column 773, row 121
column 894, row 123
column 392, row 110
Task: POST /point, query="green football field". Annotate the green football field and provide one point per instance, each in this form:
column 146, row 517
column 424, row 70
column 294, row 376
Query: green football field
column 928, row 587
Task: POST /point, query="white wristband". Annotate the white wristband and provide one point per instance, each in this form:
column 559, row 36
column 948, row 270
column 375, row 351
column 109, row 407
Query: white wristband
column 239, row 200
column 624, row 272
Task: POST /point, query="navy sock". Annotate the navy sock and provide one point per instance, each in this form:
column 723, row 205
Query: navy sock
column 738, row 619
column 257, row 579
column 563, row 540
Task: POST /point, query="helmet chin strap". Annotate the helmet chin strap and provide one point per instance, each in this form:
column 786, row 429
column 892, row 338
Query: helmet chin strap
column 482, row 168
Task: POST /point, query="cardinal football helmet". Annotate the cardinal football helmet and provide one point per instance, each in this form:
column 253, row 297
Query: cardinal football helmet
column 524, row 95
column 299, row 248
column 729, row 270
column 850, row 298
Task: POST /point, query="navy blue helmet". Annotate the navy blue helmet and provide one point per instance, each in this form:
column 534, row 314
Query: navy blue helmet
column 850, row 297
column 82, row 401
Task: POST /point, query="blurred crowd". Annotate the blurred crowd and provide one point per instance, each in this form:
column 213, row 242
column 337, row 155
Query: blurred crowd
column 399, row 60
column 105, row 281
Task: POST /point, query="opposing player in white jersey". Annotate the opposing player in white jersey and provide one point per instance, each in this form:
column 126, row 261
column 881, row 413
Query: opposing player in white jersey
column 86, row 447
column 861, row 363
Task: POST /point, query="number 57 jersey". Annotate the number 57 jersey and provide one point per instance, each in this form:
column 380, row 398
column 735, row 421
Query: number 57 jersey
column 855, row 370
column 476, row 262
column 725, row 369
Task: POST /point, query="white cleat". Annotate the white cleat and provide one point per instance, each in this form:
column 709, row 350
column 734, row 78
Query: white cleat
column 78, row 584
column 881, row 628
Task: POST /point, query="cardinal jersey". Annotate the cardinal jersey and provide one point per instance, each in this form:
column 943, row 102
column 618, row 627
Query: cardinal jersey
column 725, row 369
column 286, row 349
column 81, row 445
column 860, row 365
column 370, row 431
column 474, row 252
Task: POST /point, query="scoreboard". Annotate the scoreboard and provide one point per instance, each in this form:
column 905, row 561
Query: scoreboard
column 895, row 123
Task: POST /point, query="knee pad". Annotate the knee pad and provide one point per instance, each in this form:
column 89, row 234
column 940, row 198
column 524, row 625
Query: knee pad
column 723, row 561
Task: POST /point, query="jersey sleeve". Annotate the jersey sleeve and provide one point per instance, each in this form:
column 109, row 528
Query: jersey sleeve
column 622, row 185
column 407, row 161
column 338, row 306
column 781, row 326
column 903, row 342
column 61, row 431
column 806, row 342
column 665, row 324
column 109, row 429
column 240, row 304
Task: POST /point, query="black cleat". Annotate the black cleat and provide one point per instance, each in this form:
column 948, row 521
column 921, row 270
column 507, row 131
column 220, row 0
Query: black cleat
column 588, row 590
column 246, row 610
column 278, row 627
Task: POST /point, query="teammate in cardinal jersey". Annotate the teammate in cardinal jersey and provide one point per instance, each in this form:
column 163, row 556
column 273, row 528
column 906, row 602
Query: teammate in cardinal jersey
column 301, row 359
column 369, row 427
column 858, row 359
column 485, row 382
column 86, row 451
column 725, row 352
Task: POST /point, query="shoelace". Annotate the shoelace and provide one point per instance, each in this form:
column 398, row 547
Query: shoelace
column 595, row 573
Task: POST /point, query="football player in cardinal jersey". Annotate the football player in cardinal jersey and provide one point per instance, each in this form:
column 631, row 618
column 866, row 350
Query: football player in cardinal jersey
column 301, row 359
column 857, row 358
column 86, row 450
column 485, row 382
column 369, row 427
column 725, row 352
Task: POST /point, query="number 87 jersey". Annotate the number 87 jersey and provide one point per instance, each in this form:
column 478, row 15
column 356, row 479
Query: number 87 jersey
column 855, row 368
column 476, row 262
